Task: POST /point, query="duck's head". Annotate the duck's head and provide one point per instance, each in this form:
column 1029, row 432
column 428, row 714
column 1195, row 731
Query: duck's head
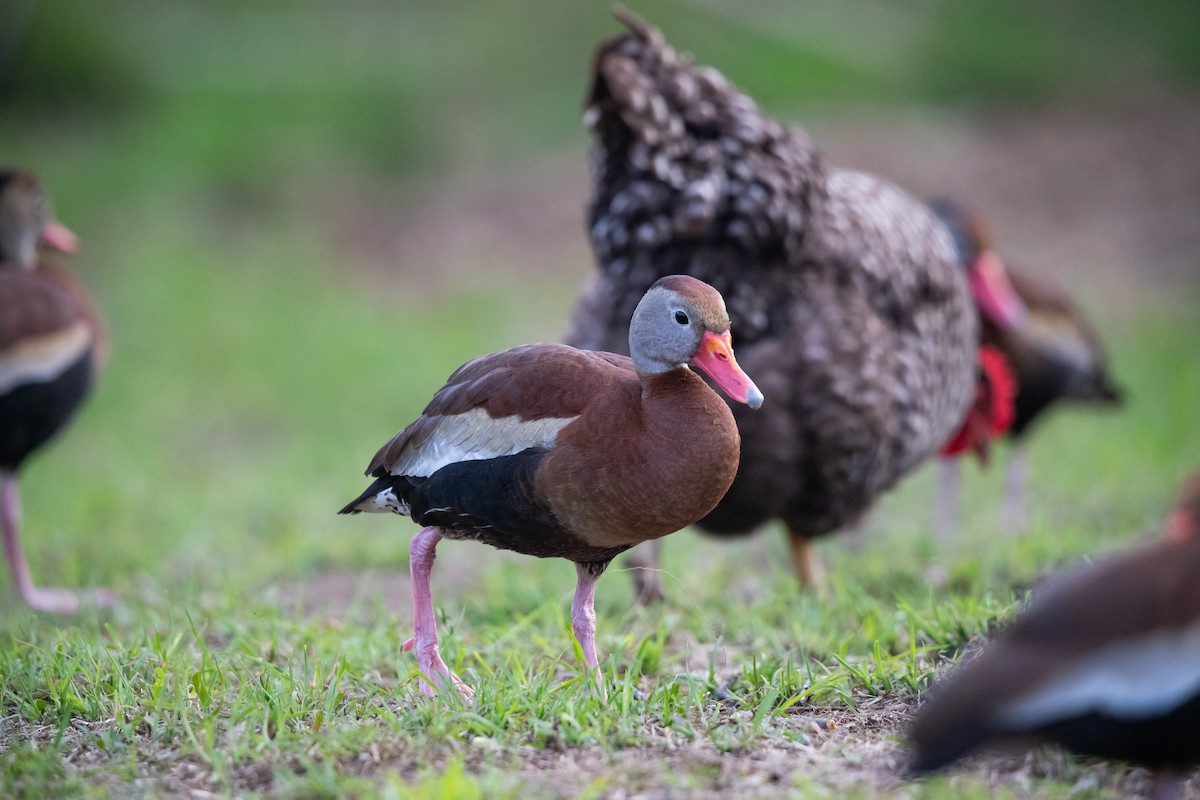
column 682, row 321
column 26, row 222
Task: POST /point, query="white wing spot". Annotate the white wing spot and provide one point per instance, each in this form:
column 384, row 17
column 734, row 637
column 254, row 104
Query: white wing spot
column 476, row 436
column 43, row 358
column 1129, row 679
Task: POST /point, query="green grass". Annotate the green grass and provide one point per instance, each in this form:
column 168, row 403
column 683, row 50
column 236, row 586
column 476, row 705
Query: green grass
column 257, row 366
column 202, row 486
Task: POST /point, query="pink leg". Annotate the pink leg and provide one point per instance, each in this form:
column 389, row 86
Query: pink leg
column 434, row 672
column 583, row 620
column 58, row 601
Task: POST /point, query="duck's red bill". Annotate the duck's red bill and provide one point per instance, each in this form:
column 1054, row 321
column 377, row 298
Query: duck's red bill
column 58, row 236
column 715, row 358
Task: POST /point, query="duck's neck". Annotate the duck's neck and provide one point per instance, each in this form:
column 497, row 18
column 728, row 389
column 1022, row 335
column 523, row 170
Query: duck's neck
column 678, row 402
column 663, row 385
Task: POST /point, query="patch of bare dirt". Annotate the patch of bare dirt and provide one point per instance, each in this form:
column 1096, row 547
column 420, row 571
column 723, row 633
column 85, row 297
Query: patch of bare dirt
column 839, row 752
column 342, row 596
column 433, row 235
column 831, row 751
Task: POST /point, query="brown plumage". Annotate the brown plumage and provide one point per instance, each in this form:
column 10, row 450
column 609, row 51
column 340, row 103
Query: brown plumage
column 849, row 305
column 1105, row 661
column 50, row 346
column 1054, row 352
column 557, row 452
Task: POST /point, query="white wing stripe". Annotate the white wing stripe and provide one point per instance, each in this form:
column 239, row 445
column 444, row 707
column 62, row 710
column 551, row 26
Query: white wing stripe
column 44, row 358
column 1130, row 679
column 475, row 436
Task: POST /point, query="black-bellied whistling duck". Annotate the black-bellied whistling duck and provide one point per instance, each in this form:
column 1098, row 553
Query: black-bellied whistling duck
column 1105, row 661
column 50, row 340
column 850, row 307
column 556, row 452
column 1052, row 350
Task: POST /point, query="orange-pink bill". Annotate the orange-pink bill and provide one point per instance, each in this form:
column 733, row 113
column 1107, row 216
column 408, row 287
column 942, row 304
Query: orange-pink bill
column 58, row 236
column 715, row 357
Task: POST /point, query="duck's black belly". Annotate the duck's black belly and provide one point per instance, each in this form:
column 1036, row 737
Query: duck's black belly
column 493, row 501
column 33, row 412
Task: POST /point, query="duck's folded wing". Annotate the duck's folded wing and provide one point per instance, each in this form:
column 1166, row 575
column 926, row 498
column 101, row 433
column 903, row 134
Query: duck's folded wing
column 42, row 330
column 503, row 404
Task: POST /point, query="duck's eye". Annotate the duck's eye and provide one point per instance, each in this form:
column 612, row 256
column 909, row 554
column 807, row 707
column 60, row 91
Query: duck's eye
column 681, row 318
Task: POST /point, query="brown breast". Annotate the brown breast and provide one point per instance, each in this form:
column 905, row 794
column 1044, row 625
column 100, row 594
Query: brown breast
column 637, row 467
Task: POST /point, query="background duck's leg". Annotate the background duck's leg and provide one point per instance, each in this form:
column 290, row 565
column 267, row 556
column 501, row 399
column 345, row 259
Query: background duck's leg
column 58, row 601
column 434, row 672
column 583, row 618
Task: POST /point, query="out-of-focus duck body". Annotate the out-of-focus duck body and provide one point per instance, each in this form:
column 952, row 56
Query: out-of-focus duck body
column 51, row 343
column 1105, row 661
column 48, row 346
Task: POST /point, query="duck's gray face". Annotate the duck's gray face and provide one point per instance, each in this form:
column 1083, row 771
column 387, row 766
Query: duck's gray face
column 680, row 321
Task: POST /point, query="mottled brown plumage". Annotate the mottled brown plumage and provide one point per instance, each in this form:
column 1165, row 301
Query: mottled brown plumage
column 1105, row 661
column 848, row 303
column 51, row 344
column 552, row 451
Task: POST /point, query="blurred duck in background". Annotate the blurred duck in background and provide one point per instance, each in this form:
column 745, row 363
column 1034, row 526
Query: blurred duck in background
column 1105, row 662
column 51, row 346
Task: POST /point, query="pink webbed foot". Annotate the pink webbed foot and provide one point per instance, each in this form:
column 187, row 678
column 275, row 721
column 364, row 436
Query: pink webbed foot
column 435, row 674
column 65, row 601
column 54, row 601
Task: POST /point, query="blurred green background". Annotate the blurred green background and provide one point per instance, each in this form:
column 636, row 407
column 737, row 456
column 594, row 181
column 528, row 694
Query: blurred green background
column 298, row 217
